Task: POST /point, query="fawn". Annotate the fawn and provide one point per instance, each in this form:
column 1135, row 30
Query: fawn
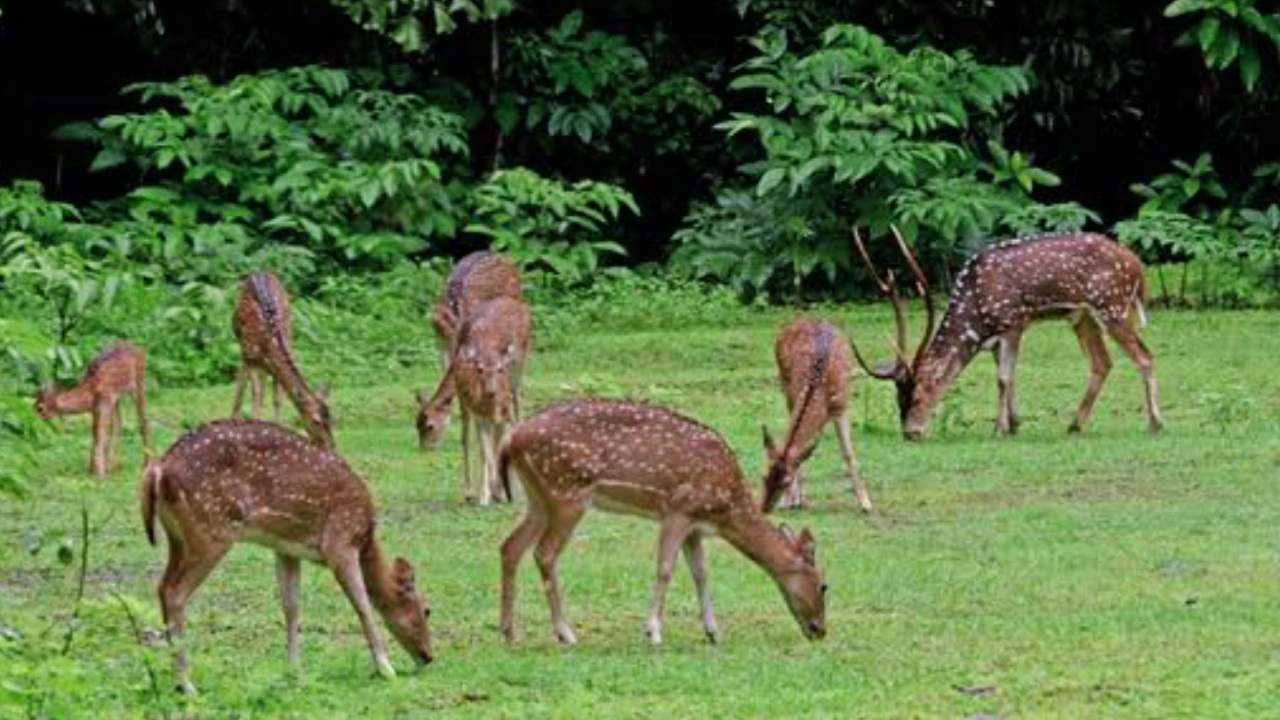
column 639, row 459
column 814, row 363
column 485, row 373
column 236, row 481
column 119, row 370
column 262, row 326
column 1090, row 279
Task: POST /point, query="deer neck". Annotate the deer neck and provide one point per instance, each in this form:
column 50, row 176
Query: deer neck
column 951, row 348
column 75, row 400
column 759, row 540
column 445, row 391
column 377, row 577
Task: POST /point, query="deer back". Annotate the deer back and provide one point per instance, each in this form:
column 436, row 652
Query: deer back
column 814, row 362
column 629, row 457
column 477, row 278
column 253, row 480
column 491, row 347
column 119, row 368
column 1014, row 283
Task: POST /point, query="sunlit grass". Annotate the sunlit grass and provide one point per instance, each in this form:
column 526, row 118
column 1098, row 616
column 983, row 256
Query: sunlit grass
column 1113, row 574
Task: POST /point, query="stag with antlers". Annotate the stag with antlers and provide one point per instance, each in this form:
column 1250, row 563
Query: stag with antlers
column 119, row 370
column 1089, row 279
column 237, row 481
column 640, row 459
column 263, row 327
column 814, row 364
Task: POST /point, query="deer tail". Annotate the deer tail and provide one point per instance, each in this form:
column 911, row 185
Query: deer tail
column 152, row 475
column 1141, row 297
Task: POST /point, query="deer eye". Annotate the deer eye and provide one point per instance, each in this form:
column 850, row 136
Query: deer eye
column 824, row 588
column 426, row 613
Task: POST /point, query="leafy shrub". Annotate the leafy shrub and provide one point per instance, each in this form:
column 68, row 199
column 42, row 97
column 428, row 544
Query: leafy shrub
column 552, row 230
column 857, row 132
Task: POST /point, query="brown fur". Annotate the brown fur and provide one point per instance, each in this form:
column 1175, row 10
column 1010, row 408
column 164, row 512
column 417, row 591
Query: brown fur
column 237, row 481
column 476, row 279
column 1090, row 279
column 645, row 460
column 814, row 366
column 262, row 325
column 118, row 371
column 488, row 366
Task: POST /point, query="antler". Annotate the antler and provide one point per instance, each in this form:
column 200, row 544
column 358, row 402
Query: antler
column 922, row 287
column 888, row 286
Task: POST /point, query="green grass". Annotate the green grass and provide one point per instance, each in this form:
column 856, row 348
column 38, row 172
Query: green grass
column 1113, row 574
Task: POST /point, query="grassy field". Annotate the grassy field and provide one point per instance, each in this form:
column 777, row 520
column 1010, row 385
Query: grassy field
column 1109, row 575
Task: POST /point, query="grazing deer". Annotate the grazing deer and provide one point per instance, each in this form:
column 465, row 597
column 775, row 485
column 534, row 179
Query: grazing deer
column 262, row 325
column 1090, row 279
column 119, row 370
column 486, row 369
column 476, row 279
column 814, row 363
column 640, row 459
column 236, row 481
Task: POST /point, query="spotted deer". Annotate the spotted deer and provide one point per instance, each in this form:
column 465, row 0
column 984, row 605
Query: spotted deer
column 117, row 371
column 488, row 364
column 814, row 365
column 477, row 278
column 233, row 481
column 640, row 459
column 262, row 326
column 1089, row 279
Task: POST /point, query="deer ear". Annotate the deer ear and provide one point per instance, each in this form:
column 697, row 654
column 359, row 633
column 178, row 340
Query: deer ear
column 808, row 546
column 402, row 574
column 787, row 532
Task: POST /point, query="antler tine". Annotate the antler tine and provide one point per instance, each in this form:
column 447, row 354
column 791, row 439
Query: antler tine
column 889, row 286
column 871, row 268
column 922, row 287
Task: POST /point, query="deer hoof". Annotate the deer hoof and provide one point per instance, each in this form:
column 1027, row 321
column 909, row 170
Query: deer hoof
column 713, row 634
column 1074, row 428
column 653, row 629
column 184, row 687
column 565, row 635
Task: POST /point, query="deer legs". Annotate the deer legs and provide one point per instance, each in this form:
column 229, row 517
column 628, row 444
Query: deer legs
column 1006, row 352
column 1095, row 349
column 1137, row 351
column 844, row 433
column 188, row 567
column 698, row 569
column 550, row 526
column 562, row 522
column 347, row 570
column 675, row 529
column 289, row 575
column 103, row 409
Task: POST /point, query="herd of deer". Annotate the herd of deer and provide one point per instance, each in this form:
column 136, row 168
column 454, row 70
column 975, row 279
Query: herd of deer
column 247, row 480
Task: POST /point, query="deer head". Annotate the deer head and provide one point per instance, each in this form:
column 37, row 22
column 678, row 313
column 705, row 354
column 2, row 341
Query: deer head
column 314, row 409
column 433, row 418
column 803, row 586
column 488, row 376
column 916, row 395
column 407, row 614
column 780, row 467
column 47, row 402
